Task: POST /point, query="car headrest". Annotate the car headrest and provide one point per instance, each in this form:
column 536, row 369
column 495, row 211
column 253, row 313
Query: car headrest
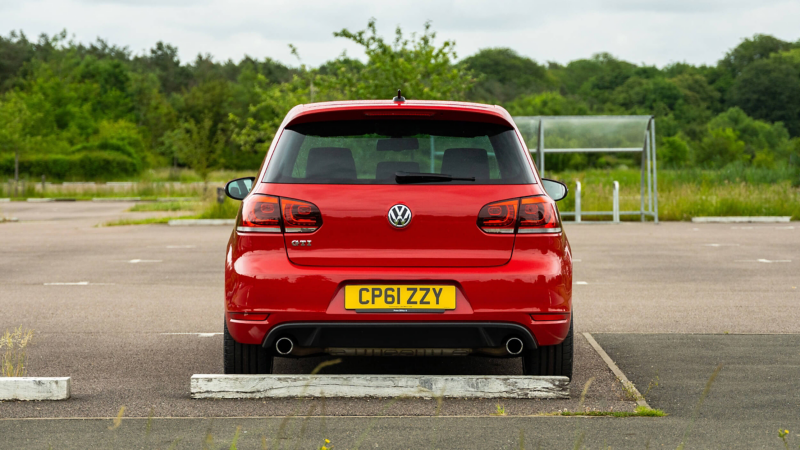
column 386, row 169
column 466, row 162
column 330, row 162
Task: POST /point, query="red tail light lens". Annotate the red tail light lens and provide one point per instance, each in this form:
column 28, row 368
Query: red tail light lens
column 499, row 217
column 528, row 215
column 300, row 216
column 261, row 214
column 538, row 215
column 267, row 214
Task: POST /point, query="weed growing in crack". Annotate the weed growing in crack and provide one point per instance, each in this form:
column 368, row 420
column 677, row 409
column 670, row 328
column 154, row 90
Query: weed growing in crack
column 13, row 345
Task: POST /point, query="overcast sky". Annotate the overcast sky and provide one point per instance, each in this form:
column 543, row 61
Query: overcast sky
column 641, row 31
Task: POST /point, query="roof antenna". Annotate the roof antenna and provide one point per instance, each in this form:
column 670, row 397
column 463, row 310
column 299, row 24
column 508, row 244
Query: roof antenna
column 399, row 98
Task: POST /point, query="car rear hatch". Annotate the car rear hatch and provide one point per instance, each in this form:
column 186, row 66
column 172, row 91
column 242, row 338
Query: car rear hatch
column 349, row 171
column 442, row 232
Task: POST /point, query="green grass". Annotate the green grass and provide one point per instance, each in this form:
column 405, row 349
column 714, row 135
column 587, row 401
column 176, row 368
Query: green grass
column 145, row 221
column 686, row 194
column 143, row 188
column 166, row 206
column 205, row 210
column 682, row 194
column 189, row 176
column 225, row 210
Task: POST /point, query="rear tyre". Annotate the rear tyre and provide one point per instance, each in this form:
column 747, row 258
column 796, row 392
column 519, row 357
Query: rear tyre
column 243, row 359
column 550, row 359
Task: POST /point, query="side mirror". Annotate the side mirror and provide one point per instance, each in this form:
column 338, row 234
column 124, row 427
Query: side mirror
column 555, row 189
column 239, row 188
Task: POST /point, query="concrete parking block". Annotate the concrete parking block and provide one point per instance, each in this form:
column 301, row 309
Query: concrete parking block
column 34, row 388
column 116, row 199
column 377, row 386
column 177, row 199
column 40, row 200
column 742, row 219
column 200, row 222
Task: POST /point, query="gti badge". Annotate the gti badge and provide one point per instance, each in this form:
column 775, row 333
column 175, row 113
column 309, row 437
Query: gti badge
column 303, row 243
column 399, row 216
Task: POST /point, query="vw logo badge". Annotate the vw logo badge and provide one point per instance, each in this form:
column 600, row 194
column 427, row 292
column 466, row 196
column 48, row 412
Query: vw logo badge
column 399, row 216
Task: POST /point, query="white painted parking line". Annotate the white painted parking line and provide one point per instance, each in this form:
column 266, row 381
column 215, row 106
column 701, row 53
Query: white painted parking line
column 581, row 282
column 577, row 260
column 172, row 246
column 137, row 261
column 765, row 260
column 78, row 283
column 378, row 386
column 741, row 228
column 721, row 245
column 192, row 334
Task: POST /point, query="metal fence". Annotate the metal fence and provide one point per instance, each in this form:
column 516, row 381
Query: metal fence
column 591, row 134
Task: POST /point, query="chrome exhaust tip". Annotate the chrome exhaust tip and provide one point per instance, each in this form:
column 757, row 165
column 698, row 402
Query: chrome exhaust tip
column 284, row 346
column 514, row 346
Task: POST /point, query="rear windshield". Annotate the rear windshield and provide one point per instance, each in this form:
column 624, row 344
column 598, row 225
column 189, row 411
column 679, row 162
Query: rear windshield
column 372, row 151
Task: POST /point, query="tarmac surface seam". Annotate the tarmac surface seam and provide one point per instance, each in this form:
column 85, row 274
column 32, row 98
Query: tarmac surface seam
column 617, row 371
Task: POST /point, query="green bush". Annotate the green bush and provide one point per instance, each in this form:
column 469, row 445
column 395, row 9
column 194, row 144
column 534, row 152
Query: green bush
column 720, row 147
column 86, row 165
column 756, row 134
column 673, row 152
column 106, row 147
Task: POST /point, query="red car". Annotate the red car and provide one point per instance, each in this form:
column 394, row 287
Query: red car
column 398, row 228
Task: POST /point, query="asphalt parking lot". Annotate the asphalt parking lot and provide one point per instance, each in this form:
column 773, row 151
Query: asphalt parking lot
column 131, row 312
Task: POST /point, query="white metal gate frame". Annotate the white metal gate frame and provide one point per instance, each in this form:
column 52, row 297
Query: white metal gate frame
column 649, row 180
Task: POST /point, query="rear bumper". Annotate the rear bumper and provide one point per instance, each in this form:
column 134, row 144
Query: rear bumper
column 259, row 278
column 469, row 335
column 395, row 331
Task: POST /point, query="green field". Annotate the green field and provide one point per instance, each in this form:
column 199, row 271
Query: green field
column 683, row 194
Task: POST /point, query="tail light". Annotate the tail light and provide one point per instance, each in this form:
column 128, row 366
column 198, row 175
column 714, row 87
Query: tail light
column 527, row 215
column 499, row 217
column 538, row 215
column 268, row 214
column 261, row 214
column 300, row 216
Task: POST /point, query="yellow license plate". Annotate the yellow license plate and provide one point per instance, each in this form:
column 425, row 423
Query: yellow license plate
column 388, row 298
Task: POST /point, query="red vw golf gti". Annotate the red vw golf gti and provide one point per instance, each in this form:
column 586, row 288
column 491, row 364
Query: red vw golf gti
column 398, row 228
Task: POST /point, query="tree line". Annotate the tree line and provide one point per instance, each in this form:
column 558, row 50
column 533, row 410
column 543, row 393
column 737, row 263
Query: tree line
column 98, row 111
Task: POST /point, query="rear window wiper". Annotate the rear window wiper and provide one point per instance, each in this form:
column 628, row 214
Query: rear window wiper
column 415, row 177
